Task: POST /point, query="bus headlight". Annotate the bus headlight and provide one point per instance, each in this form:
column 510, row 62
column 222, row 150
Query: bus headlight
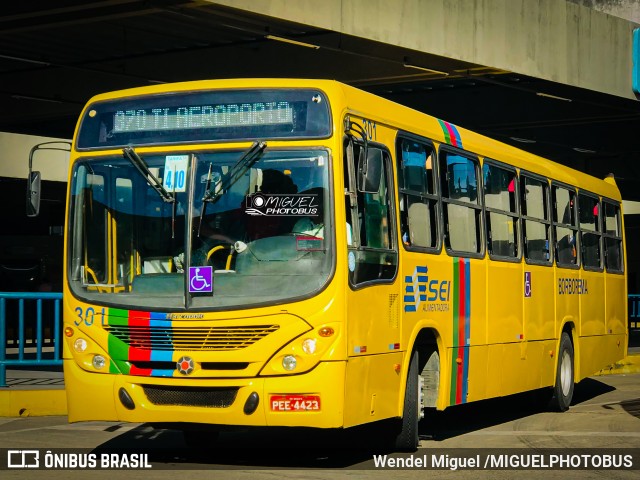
column 80, row 345
column 304, row 353
column 87, row 353
column 289, row 362
column 98, row 362
column 309, row 346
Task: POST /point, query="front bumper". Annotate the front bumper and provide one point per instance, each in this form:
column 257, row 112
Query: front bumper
column 95, row 396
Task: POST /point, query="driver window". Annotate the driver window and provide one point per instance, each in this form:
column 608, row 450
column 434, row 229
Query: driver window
column 370, row 223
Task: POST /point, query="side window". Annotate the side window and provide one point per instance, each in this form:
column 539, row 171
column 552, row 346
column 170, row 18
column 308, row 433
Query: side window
column 94, row 238
column 590, row 231
column 613, row 237
column 418, row 201
column 501, row 211
column 535, row 218
column 373, row 253
column 461, row 205
column 565, row 226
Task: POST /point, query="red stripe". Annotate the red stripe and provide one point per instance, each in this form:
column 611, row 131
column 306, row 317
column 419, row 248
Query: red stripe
column 461, row 315
column 461, row 325
column 137, row 355
column 140, row 371
column 139, row 336
column 139, row 319
column 459, row 376
column 452, row 135
column 461, row 306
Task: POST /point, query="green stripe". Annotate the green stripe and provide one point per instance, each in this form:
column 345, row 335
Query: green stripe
column 118, row 316
column 118, row 351
column 454, row 365
column 445, row 130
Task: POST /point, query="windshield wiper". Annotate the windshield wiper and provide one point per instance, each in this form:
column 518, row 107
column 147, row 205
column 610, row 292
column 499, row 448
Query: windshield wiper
column 130, row 154
column 248, row 159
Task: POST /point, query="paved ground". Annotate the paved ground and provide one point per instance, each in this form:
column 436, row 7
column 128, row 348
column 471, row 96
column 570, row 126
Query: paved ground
column 605, row 415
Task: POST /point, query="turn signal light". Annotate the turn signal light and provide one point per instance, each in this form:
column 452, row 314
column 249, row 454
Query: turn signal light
column 326, row 331
column 68, row 332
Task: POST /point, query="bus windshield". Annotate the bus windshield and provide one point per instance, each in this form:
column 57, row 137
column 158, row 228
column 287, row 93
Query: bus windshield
column 224, row 229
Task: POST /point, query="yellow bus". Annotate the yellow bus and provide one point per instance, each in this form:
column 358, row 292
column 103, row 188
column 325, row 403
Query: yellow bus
column 284, row 252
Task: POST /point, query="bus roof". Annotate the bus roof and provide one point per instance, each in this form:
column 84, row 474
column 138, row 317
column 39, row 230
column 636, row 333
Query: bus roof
column 358, row 102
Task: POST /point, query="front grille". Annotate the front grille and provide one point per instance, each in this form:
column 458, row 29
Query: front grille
column 190, row 396
column 204, row 365
column 190, row 338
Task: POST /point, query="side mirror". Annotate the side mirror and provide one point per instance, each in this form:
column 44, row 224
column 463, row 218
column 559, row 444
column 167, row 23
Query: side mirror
column 33, row 194
column 34, row 178
column 369, row 170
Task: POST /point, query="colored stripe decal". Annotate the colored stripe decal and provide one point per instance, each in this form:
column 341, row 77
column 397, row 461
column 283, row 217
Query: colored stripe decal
column 454, row 352
column 124, row 354
column 451, row 133
column 461, row 331
column 445, row 130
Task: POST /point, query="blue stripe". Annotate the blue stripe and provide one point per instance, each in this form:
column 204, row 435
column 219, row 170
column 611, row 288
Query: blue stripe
column 409, row 298
column 162, row 373
column 421, row 269
column 465, row 374
column 409, row 308
column 467, row 329
column 161, row 356
column 159, row 323
column 467, row 302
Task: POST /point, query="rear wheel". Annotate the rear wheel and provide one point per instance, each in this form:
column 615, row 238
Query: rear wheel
column 563, row 388
column 408, row 440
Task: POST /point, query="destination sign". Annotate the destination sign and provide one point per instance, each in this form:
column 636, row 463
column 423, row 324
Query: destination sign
column 204, row 117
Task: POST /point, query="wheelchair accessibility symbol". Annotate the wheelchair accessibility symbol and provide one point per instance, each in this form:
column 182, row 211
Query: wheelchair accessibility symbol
column 200, row 279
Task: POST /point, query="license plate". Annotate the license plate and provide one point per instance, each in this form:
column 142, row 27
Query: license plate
column 295, row 403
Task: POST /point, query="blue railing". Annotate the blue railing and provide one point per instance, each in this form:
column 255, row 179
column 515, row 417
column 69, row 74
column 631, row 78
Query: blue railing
column 33, row 315
column 634, row 312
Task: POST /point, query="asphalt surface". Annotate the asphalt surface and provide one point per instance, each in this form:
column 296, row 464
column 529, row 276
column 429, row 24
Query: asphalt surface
column 604, row 417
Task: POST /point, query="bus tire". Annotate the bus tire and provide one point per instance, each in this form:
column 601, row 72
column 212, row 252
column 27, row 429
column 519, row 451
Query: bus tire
column 563, row 388
column 408, row 439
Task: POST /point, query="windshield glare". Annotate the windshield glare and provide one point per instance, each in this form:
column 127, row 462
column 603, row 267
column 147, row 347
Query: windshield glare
column 252, row 230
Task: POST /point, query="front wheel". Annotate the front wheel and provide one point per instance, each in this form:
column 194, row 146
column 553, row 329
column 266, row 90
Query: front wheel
column 408, row 439
column 563, row 388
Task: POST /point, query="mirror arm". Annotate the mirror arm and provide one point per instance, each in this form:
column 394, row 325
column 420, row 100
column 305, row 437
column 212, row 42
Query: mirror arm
column 61, row 146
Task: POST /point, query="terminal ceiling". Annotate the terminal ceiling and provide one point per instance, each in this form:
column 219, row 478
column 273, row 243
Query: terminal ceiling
column 55, row 55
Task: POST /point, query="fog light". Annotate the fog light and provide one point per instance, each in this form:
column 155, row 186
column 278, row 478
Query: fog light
column 98, row 362
column 126, row 399
column 289, row 362
column 309, row 346
column 251, row 404
column 80, row 345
